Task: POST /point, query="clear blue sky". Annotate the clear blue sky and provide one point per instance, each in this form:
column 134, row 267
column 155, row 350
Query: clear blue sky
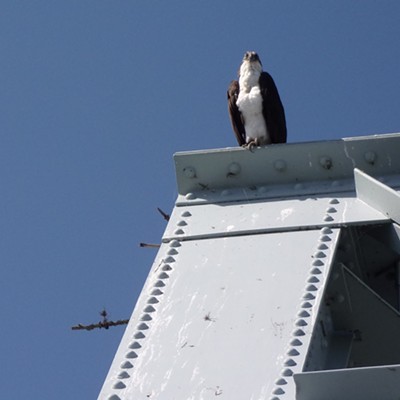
column 95, row 98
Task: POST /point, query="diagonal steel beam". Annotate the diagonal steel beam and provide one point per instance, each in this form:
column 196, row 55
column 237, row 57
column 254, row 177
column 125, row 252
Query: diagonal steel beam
column 377, row 195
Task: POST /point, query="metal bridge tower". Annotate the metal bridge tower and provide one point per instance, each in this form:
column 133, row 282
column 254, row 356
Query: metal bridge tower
column 278, row 278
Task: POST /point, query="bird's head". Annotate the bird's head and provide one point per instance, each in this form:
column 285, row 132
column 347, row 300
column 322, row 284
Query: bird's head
column 251, row 57
column 251, row 61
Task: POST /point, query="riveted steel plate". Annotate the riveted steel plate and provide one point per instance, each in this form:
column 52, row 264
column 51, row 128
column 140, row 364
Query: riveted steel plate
column 294, row 163
column 228, row 316
column 213, row 220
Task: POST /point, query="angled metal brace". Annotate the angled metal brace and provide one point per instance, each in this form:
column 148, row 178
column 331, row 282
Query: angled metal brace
column 377, row 195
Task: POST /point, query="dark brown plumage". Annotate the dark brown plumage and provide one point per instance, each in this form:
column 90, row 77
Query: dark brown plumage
column 272, row 108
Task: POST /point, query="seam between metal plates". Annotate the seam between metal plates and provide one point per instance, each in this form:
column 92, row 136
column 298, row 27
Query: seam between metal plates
column 298, row 345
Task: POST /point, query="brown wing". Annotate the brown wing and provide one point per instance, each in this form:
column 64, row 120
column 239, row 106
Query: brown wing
column 273, row 110
column 234, row 113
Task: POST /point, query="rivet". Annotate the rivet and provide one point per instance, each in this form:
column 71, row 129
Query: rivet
column 278, row 391
column 114, row 397
column 190, row 196
column 328, row 218
column 163, row 275
column 226, row 192
column 146, row 317
column 280, row 381
column 331, row 210
column 303, row 314
column 135, row 345
column 131, row 354
column 301, row 322
column 293, row 353
column 316, row 271
column 179, row 232
column 313, row 279
column 186, row 214
column 298, row 332
column 262, row 189
column 326, row 230
column 175, row 243
column 189, row 172
column 159, row 284
column 156, row 292
column 234, row 169
column 126, row 365
column 319, row 254
column 142, row 327
column 370, row 157
column 351, row 265
column 311, row 288
column 149, row 309
column 152, row 300
column 181, row 223
column 296, row 342
column 322, row 246
column 317, row 263
column 333, row 201
column 287, row 372
column 280, row 165
column 289, row 363
column 119, row 385
column 274, row 398
column 340, row 298
column 139, row 335
column 123, row 375
column 325, row 238
column 172, row 252
column 325, row 162
column 166, row 267
column 308, row 296
column 306, row 304
column 335, row 276
column 169, row 259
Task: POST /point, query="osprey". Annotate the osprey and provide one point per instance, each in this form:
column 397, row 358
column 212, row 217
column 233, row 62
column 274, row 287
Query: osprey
column 254, row 105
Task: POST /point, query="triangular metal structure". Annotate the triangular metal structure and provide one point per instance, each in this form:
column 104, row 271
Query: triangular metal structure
column 278, row 278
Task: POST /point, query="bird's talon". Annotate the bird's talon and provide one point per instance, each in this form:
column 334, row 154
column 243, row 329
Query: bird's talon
column 251, row 146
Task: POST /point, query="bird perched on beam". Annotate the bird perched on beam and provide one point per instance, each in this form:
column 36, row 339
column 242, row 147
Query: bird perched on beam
column 254, row 105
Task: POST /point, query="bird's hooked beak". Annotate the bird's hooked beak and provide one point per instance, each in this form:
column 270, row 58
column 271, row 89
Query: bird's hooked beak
column 251, row 56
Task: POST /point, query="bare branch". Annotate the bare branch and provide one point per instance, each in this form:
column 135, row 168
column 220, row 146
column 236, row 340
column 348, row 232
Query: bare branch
column 100, row 325
column 149, row 245
column 165, row 215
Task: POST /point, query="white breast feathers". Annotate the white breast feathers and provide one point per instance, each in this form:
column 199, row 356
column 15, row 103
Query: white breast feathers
column 250, row 104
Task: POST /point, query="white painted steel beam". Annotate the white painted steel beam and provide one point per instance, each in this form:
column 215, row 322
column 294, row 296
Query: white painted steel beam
column 377, row 195
column 254, row 217
column 283, row 170
column 370, row 383
column 234, row 296
column 227, row 316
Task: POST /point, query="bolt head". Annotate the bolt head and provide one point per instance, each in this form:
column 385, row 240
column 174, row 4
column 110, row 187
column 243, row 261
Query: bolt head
column 326, row 162
column 189, row 172
column 234, row 168
column 370, row 157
